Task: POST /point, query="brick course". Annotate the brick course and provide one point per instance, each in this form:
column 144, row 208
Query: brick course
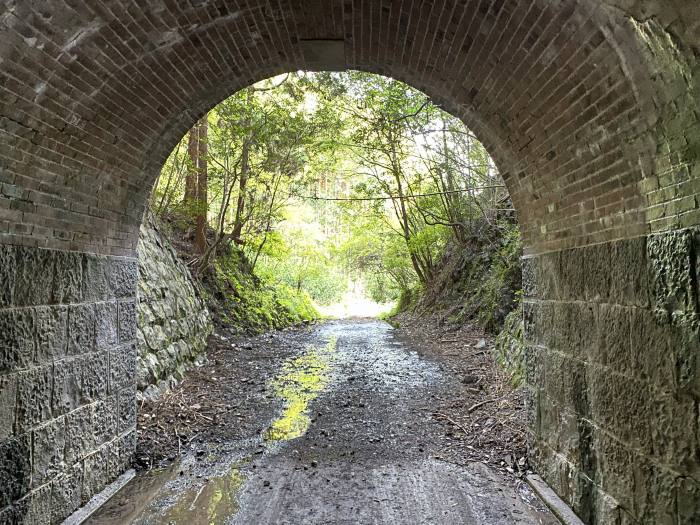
column 589, row 108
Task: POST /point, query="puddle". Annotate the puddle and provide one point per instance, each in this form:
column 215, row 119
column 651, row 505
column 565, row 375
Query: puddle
column 213, row 503
column 129, row 503
column 300, row 382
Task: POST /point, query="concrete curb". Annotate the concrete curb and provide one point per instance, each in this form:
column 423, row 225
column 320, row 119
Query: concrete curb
column 560, row 509
column 83, row 513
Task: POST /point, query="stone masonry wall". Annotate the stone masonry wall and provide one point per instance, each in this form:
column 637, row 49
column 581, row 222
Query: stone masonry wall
column 173, row 320
column 67, row 363
column 613, row 369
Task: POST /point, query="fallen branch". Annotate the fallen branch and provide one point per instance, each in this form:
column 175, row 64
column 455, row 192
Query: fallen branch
column 481, row 403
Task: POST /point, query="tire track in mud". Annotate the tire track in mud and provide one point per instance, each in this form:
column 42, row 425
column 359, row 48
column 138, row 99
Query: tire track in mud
column 351, row 440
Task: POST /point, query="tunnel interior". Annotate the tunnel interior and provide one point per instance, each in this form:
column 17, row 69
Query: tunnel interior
column 589, row 109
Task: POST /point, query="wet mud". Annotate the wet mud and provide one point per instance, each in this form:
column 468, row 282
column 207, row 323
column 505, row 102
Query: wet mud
column 335, row 426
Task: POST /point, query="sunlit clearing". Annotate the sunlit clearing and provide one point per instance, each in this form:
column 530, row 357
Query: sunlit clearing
column 355, row 303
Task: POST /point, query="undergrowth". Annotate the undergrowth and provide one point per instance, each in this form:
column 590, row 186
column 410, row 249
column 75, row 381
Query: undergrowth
column 479, row 281
column 248, row 304
column 238, row 299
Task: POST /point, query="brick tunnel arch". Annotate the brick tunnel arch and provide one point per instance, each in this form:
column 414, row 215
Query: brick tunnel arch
column 590, row 110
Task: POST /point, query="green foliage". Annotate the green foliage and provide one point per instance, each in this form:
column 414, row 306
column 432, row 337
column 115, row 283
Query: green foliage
column 307, row 272
column 381, row 257
column 250, row 304
column 496, row 295
column 319, row 179
column 420, row 179
column 301, row 257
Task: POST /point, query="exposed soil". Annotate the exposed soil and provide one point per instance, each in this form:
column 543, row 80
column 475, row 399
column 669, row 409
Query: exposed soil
column 343, row 422
column 485, row 415
column 224, row 400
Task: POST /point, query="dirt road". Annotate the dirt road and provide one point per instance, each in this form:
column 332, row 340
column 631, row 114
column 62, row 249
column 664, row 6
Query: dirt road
column 331, row 425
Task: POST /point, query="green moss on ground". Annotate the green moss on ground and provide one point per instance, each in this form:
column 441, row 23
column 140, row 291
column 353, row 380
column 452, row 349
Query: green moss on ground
column 238, row 299
column 247, row 304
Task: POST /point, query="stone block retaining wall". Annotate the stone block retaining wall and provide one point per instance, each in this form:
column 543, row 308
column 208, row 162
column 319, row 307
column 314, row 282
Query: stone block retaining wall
column 613, row 368
column 67, row 362
column 173, row 320
column 75, row 330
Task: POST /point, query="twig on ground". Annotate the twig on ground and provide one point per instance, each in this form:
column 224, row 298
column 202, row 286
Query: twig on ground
column 448, row 418
column 480, row 403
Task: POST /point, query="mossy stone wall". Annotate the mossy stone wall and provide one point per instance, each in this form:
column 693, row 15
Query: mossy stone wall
column 173, row 320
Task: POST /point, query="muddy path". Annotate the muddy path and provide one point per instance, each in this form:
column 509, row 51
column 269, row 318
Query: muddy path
column 329, row 425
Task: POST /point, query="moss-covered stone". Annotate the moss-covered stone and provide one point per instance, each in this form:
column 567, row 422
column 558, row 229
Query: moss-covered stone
column 510, row 346
column 172, row 317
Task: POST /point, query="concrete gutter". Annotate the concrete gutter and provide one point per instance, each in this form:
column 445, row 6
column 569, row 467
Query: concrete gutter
column 82, row 514
column 560, row 509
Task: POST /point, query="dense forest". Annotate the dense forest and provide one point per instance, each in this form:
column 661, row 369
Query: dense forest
column 316, row 184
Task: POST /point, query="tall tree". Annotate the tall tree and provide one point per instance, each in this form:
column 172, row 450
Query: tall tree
column 202, row 185
column 245, row 171
column 192, row 169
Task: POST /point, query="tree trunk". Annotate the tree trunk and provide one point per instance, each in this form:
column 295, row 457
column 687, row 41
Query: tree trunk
column 242, row 183
column 192, row 169
column 243, row 179
column 202, row 187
